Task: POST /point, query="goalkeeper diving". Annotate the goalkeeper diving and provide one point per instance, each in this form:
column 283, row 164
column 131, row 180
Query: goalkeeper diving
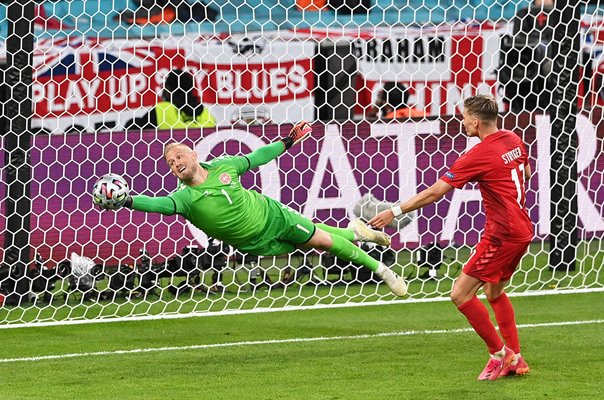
column 212, row 198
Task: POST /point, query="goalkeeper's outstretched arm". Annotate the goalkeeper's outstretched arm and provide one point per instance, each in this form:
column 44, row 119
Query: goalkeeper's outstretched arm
column 263, row 155
column 163, row 205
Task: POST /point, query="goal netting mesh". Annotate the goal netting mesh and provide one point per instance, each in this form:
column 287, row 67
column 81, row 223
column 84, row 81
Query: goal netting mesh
column 99, row 72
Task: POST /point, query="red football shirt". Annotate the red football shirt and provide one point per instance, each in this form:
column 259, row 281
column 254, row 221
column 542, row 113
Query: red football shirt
column 497, row 163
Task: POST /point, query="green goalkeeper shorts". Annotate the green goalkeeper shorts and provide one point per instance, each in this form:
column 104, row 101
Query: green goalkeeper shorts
column 285, row 229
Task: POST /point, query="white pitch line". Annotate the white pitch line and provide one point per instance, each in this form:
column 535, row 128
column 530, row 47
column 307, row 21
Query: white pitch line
column 282, row 341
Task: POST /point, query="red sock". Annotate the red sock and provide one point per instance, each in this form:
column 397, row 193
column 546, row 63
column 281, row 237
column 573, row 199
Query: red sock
column 478, row 316
column 504, row 314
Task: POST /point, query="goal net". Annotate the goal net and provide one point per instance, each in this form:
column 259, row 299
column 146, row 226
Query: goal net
column 382, row 83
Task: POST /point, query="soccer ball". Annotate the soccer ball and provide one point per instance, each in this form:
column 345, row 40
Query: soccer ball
column 110, row 192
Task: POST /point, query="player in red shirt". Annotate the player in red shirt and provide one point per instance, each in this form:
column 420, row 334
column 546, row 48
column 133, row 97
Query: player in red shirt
column 499, row 163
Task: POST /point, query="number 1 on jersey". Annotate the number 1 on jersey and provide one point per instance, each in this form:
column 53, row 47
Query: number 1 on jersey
column 518, row 178
column 227, row 196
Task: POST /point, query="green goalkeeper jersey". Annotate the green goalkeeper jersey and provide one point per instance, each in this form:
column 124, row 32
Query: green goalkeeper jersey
column 220, row 206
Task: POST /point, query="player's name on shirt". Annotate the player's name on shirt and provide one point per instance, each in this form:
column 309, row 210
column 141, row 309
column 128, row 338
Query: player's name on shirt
column 511, row 155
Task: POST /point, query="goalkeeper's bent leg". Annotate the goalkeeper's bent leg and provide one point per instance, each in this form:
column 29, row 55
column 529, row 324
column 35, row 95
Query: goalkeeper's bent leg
column 332, row 230
column 345, row 250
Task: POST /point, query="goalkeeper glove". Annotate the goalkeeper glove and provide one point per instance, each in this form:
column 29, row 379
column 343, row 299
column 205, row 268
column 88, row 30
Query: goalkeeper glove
column 299, row 132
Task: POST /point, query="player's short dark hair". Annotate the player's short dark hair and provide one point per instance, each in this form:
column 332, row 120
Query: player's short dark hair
column 482, row 106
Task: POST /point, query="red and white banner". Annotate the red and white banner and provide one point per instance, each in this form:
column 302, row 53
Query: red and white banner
column 94, row 85
column 99, row 84
column 440, row 66
column 256, row 79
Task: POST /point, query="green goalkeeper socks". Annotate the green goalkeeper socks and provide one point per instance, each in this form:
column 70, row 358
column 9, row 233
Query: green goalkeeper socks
column 345, row 250
column 345, row 233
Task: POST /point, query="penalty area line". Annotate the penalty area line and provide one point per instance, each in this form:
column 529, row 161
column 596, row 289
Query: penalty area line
column 282, row 341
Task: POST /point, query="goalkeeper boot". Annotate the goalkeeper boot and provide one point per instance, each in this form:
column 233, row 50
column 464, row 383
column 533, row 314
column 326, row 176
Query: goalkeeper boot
column 395, row 283
column 517, row 367
column 366, row 234
column 494, row 367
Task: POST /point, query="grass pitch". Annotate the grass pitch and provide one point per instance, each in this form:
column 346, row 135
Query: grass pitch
column 398, row 351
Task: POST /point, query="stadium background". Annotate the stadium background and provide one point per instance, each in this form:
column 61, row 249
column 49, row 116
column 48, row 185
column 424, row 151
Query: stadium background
column 339, row 337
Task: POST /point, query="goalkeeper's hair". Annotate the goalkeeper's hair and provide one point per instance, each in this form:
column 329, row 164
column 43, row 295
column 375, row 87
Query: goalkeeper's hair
column 172, row 145
column 482, row 106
